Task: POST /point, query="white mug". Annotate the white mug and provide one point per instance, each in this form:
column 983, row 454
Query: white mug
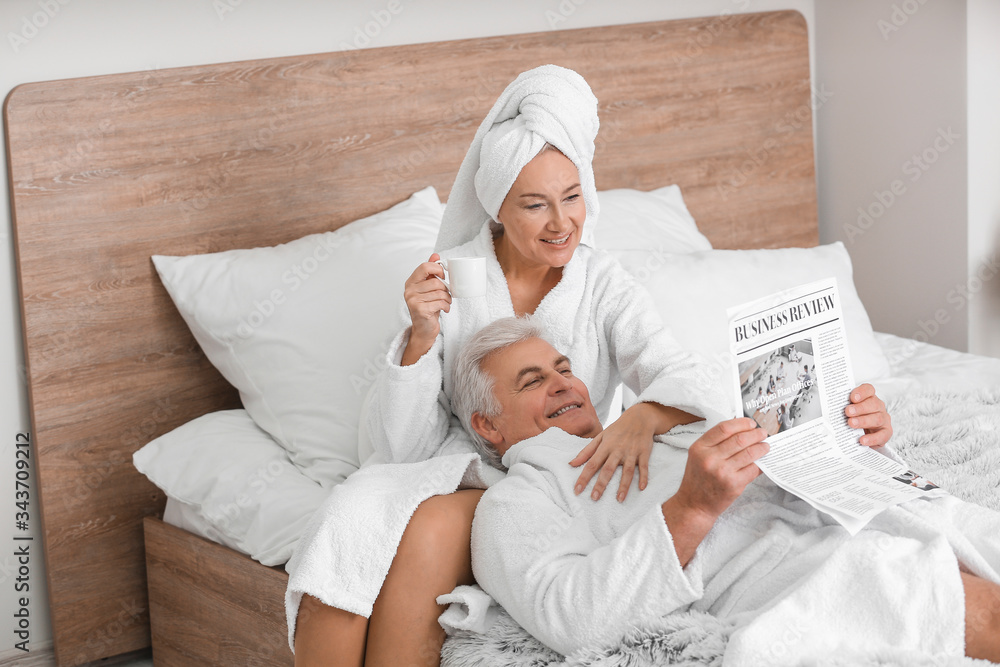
column 465, row 276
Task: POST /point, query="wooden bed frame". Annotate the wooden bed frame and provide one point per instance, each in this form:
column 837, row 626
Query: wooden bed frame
column 106, row 171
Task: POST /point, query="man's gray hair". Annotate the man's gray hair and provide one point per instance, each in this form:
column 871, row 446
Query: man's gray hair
column 473, row 387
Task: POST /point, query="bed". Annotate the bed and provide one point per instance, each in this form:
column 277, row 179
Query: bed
column 107, row 171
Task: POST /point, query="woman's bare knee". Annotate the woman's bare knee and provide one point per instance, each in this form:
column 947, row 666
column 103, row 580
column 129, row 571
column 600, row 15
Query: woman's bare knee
column 326, row 635
column 982, row 617
column 433, row 557
column 437, row 538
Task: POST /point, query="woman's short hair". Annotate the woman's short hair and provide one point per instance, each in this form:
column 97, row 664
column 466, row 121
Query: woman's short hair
column 473, row 387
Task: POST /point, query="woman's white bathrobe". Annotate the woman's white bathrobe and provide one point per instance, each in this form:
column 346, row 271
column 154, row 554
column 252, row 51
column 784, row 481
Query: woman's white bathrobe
column 578, row 573
column 597, row 315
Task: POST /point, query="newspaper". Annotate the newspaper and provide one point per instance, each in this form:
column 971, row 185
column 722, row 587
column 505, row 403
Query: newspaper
column 793, row 377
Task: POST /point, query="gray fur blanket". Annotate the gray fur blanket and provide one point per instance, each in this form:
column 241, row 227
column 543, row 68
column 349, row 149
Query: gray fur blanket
column 952, row 439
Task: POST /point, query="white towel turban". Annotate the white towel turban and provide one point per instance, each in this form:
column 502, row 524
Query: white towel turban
column 547, row 104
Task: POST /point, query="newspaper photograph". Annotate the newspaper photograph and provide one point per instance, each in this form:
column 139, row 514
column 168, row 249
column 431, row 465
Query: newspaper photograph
column 793, row 377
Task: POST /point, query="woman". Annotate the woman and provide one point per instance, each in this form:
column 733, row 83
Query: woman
column 525, row 199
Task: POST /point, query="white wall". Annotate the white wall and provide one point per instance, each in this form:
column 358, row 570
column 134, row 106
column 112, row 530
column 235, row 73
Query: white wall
column 88, row 38
column 897, row 118
column 983, row 19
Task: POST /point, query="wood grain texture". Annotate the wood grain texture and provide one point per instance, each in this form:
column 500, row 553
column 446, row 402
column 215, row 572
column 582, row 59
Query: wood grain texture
column 210, row 605
column 106, row 171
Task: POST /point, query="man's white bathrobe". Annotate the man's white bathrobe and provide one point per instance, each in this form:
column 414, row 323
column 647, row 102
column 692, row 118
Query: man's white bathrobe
column 578, row 573
column 597, row 315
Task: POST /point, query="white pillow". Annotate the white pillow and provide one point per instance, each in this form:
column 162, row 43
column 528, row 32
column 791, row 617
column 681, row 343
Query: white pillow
column 301, row 328
column 246, row 491
column 655, row 221
column 692, row 293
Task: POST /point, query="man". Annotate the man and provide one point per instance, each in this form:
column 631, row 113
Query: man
column 576, row 572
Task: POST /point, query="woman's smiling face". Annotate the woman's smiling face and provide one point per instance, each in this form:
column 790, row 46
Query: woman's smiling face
column 544, row 212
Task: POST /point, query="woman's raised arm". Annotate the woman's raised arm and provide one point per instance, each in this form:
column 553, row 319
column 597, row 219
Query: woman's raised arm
column 407, row 416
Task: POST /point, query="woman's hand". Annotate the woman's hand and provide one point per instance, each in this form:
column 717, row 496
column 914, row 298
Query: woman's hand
column 628, row 442
column 867, row 411
column 426, row 296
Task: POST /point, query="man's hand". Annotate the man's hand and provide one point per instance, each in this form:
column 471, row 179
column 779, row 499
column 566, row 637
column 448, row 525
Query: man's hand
column 867, row 411
column 720, row 465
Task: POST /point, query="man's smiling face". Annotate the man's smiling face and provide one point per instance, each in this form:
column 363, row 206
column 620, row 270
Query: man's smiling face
column 537, row 390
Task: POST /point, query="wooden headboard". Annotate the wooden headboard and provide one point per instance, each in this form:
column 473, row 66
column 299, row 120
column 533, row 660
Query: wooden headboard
column 106, row 171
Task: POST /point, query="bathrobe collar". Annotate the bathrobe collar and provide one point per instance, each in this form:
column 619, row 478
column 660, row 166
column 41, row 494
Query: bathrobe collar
column 552, row 438
column 569, row 289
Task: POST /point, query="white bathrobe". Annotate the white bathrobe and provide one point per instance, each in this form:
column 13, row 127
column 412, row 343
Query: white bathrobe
column 578, row 573
column 597, row 315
